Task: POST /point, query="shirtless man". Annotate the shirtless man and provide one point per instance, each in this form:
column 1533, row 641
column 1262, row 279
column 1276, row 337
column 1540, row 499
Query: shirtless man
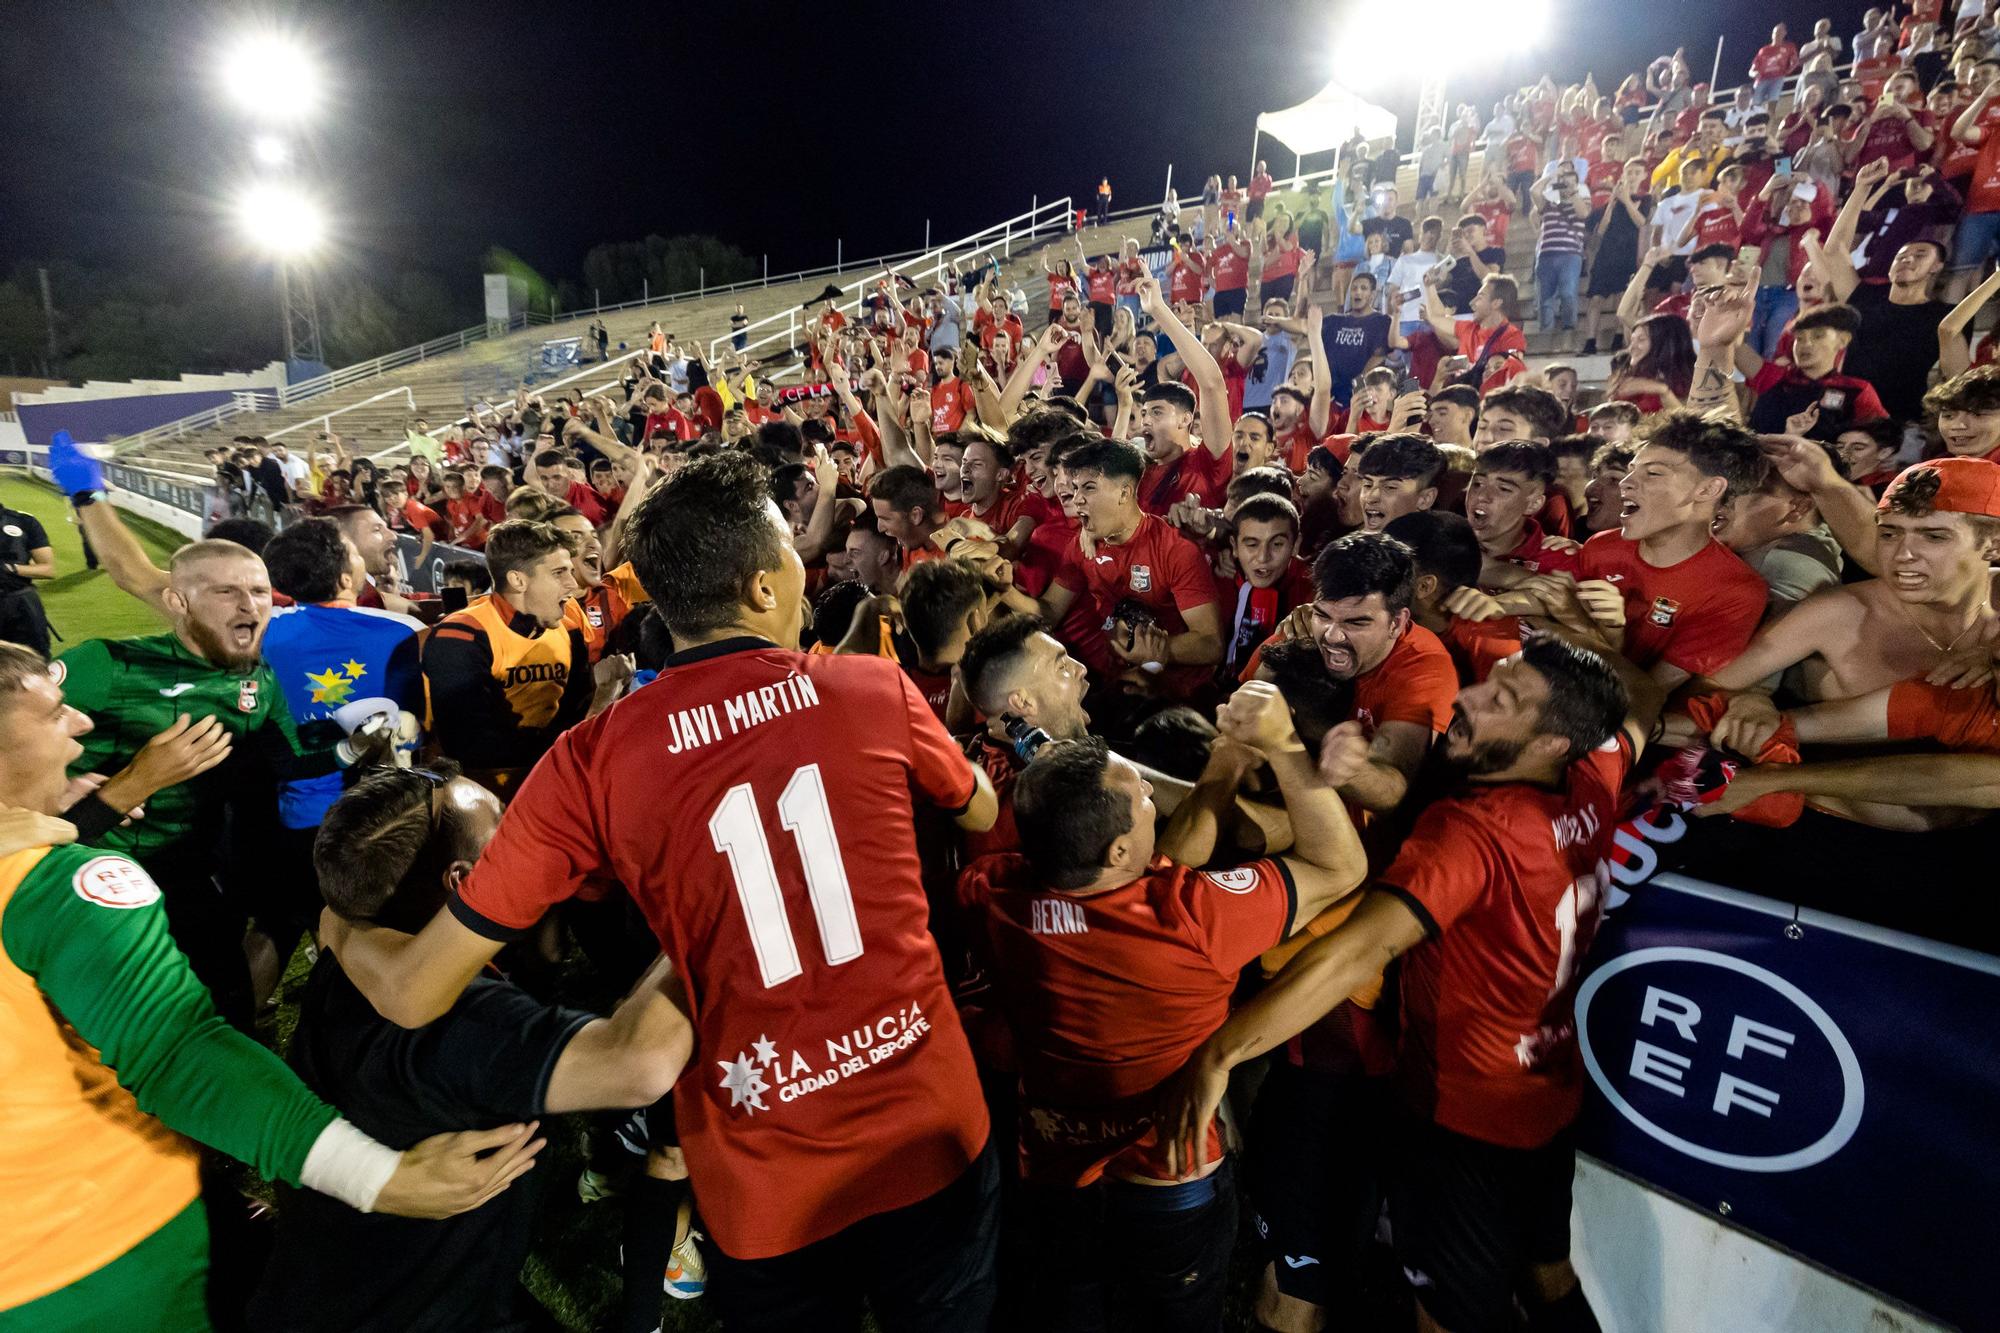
column 1930, row 615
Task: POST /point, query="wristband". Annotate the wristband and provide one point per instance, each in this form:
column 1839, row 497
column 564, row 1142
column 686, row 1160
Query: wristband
column 85, row 499
column 347, row 1165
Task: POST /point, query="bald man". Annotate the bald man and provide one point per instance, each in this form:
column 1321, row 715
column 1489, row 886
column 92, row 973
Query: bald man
column 217, row 600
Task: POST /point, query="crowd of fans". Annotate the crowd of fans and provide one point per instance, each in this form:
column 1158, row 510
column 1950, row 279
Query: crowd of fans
column 1196, row 709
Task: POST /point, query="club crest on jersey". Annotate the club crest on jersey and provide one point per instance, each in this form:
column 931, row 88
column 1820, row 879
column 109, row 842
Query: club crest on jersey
column 112, row 881
column 1240, row 880
column 1142, row 578
column 246, row 696
column 595, row 615
column 1663, row 612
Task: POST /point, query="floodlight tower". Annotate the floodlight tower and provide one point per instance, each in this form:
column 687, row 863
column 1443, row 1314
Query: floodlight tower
column 1433, row 111
column 276, row 82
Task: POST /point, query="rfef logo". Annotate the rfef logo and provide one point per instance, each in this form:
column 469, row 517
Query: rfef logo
column 1720, row 1059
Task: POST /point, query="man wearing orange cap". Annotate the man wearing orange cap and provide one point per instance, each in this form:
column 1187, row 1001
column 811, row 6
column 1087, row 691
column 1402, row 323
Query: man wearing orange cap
column 1887, row 677
column 1929, row 615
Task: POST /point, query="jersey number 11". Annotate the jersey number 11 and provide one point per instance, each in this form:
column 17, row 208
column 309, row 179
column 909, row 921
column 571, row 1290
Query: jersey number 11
column 738, row 831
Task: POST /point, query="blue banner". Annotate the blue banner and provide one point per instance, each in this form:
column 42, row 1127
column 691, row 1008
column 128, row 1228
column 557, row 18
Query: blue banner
column 1829, row 1086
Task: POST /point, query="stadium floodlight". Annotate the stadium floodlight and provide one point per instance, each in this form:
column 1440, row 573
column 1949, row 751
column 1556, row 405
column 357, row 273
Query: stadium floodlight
column 1460, row 38
column 270, row 151
column 281, row 220
column 271, row 76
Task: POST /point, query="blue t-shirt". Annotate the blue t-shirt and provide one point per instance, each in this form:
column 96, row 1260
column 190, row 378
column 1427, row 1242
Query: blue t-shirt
column 326, row 657
column 1268, row 371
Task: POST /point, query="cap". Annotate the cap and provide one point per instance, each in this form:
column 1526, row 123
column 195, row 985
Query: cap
column 1805, row 192
column 1956, row 486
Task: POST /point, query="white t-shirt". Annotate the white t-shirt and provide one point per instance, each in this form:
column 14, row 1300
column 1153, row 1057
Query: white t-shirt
column 296, row 470
column 1407, row 275
column 1671, row 216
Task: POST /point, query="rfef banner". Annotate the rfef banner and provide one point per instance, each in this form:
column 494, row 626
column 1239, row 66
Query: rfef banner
column 1829, row 1086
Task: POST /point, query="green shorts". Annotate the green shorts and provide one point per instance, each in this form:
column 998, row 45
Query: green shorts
column 157, row 1286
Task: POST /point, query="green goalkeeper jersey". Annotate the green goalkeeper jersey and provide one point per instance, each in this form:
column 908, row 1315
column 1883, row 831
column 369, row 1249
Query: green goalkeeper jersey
column 90, row 983
column 132, row 689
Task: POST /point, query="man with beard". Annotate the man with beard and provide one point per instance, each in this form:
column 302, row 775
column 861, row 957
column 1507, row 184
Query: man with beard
column 371, row 536
column 1020, row 678
column 207, row 665
column 1403, row 678
column 1492, row 903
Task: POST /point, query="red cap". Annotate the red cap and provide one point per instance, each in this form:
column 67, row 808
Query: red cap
column 1961, row 486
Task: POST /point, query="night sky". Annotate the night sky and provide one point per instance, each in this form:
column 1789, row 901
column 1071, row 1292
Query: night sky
column 548, row 127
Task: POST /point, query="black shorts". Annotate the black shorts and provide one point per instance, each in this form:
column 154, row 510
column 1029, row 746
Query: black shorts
column 1103, row 312
column 1278, row 289
column 1119, row 1255
column 1313, row 1176
column 925, row 1268
column 1471, row 1217
column 22, row 620
column 1254, row 210
column 1518, row 181
column 1229, row 303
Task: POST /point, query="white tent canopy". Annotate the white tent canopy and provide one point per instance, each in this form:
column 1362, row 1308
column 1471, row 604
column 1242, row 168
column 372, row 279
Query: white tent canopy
column 1326, row 120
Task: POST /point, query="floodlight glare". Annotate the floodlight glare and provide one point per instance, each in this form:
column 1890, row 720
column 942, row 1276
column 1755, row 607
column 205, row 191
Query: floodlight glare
column 271, row 76
column 270, row 150
column 281, row 220
column 1461, row 35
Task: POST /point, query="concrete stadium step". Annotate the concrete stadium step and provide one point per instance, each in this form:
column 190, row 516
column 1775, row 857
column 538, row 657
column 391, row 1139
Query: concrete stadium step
column 445, row 386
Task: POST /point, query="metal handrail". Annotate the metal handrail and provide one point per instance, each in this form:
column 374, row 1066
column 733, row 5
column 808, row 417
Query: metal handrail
column 913, row 267
column 324, row 419
column 288, row 395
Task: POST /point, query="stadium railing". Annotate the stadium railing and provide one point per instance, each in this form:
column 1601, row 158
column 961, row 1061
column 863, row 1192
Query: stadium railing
column 292, row 394
column 1039, row 221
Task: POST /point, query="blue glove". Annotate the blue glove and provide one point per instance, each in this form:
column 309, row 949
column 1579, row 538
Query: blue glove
column 73, row 469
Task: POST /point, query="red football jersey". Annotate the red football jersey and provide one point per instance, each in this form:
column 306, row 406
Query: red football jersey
column 1508, row 881
column 1716, row 224
column 1477, row 646
column 1537, row 557
column 1697, row 615
column 1229, row 268
column 1082, row 628
column 1415, row 683
column 951, row 402
column 1984, row 196
column 1186, row 277
column 1109, row 993
column 1959, row 719
column 756, row 803
column 1207, row 474
column 1158, row 568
